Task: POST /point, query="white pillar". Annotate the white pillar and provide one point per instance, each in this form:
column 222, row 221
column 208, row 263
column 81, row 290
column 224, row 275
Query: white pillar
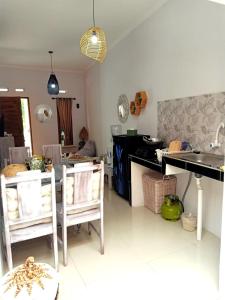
column 1, row 252
column 222, row 252
column 200, row 207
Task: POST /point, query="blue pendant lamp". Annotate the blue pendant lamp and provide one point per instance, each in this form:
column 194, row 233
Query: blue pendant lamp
column 53, row 85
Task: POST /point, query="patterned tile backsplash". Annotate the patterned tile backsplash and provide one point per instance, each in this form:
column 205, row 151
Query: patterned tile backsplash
column 193, row 119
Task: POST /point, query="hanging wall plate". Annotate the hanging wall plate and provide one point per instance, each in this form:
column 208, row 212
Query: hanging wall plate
column 43, row 113
column 135, row 109
column 141, row 99
column 123, row 108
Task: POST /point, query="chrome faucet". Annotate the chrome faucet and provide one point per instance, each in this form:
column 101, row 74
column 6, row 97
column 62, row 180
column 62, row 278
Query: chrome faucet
column 216, row 144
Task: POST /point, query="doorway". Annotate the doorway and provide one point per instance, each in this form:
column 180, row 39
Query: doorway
column 16, row 112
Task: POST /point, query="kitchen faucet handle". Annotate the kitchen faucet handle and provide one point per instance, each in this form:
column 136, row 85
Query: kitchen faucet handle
column 214, row 145
column 217, row 144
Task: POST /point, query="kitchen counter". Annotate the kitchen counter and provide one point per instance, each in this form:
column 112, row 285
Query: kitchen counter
column 201, row 164
column 207, row 164
column 148, row 163
column 189, row 162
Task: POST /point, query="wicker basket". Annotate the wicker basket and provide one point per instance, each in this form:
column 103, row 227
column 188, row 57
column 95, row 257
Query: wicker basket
column 189, row 221
column 155, row 186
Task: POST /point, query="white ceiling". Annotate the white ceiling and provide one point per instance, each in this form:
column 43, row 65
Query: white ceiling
column 29, row 28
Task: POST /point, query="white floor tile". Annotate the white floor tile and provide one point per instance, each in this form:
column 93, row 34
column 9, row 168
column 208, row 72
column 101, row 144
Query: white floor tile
column 145, row 257
column 194, row 270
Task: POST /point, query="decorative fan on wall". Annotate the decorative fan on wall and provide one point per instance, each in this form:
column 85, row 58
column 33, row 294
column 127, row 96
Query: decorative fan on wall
column 43, row 113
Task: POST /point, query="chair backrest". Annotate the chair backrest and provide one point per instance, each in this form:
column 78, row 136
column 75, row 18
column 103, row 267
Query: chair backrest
column 28, row 198
column 83, row 186
column 53, row 151
column 18, row 155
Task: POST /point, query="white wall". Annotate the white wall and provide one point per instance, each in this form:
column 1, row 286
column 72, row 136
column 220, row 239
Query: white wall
column 177, row 52
column 94, row 107
column 35, row 84
column 212, row 200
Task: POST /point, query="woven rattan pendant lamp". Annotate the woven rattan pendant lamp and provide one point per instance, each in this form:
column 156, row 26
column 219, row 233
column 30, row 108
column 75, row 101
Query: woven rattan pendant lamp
column 93, row 42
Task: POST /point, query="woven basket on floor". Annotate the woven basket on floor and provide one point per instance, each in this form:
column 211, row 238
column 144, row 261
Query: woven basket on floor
column 155, row 187
column 189, row 221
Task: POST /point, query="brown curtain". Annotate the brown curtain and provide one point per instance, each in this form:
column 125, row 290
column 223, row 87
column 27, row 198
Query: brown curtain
column 64, row 114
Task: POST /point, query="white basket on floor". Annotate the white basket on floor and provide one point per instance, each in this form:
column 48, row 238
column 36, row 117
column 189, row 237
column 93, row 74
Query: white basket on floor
column 189, row 221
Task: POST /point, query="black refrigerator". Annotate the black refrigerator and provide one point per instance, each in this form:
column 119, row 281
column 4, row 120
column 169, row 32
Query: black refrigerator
column 123, row 145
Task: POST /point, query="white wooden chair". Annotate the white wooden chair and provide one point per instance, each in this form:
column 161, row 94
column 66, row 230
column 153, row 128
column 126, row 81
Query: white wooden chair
column 82, row 200
column 53, row 151
column 18, row 155
column 29, row 209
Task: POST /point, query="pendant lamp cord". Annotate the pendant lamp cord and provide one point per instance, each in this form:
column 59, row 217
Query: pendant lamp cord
column 51, row 62
column 94, row 12
column 50, row 53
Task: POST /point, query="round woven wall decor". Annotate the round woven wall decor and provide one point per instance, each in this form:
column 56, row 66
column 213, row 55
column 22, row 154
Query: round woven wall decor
column 96, row 50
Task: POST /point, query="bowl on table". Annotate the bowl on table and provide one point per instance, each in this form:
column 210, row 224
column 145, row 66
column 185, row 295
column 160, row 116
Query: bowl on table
column 30, row 281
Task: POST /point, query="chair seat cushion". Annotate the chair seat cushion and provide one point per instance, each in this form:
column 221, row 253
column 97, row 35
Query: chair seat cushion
column 83, row 217
column 83, row 210
column 27, row 233
column 15, row 226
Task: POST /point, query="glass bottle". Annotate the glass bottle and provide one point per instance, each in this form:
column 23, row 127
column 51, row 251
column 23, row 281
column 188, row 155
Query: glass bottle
column 62, row 138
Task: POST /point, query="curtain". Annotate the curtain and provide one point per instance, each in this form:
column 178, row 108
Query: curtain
column 64, row 114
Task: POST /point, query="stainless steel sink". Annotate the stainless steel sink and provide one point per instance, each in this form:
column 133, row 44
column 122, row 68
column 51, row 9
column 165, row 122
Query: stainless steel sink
column 202, row 158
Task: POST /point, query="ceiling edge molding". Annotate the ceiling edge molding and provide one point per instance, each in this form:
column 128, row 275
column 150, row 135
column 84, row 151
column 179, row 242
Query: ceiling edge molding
column 155, row 7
